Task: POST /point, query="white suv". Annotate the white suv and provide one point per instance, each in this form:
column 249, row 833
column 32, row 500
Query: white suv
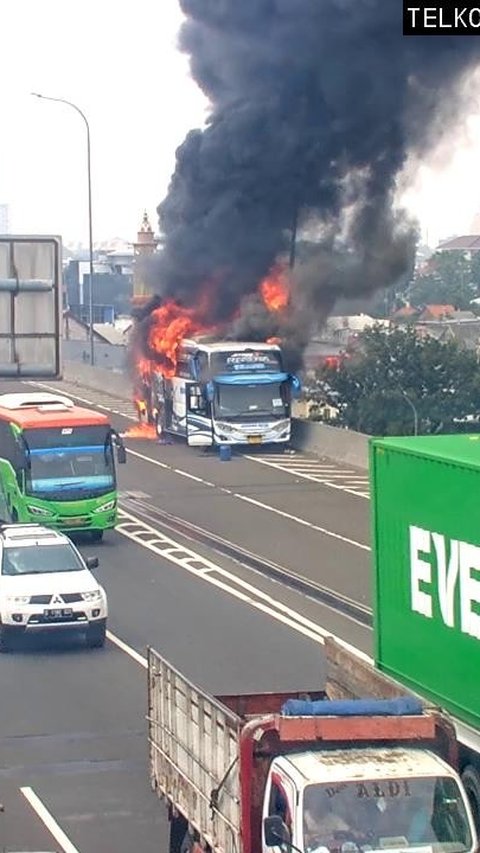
column 45, row 583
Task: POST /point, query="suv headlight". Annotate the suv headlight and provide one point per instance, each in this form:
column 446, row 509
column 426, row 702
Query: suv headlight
column 38, row 510
column 18, row 599
column 95, row 595
column 106, row 507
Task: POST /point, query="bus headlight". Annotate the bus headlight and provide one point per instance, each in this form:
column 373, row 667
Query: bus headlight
column 38, row 510
column 226, row 429
column 106, row 507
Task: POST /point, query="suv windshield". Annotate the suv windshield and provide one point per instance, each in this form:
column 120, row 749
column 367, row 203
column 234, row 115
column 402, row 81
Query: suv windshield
column 389, row 813
column 40, row 560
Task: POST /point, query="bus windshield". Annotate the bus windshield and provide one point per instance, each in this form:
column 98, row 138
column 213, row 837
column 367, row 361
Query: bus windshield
column 397, row 814
column 69, row 464
column 251, row 401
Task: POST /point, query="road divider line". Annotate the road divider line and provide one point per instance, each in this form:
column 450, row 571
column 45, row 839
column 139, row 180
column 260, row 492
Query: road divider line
column 262, row 505
column 304, row 476
column 304, row 523
column 124, row 647
column 245, row 498
column 227, row 582
column 48, row 820
column 220, row 578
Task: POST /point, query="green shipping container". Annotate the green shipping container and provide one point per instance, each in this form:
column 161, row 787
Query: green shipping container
column 426, row 557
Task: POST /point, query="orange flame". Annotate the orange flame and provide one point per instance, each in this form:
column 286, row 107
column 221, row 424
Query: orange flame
column 146, row 431
column 170, row 324
column 275, row 290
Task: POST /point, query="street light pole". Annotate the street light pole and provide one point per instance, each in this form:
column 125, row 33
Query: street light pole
column 90, row 226
column 415, row 413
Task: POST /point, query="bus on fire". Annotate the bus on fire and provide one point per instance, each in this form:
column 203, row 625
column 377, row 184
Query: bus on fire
column 225, row 393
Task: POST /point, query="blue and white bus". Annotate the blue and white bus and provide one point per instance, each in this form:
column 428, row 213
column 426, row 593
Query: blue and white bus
column 226, row 393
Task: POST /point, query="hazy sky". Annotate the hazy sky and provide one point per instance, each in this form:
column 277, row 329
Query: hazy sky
column 117, row 60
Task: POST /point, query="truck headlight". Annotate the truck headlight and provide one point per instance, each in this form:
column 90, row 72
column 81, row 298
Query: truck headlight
column 38, row 510
column 106, row 507
column 94, row 595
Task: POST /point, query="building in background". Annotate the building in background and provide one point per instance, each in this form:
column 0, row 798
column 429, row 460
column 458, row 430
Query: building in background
column 4, row 219
column 144, row 248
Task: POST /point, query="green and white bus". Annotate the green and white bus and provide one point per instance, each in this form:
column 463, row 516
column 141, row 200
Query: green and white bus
column 63, row 460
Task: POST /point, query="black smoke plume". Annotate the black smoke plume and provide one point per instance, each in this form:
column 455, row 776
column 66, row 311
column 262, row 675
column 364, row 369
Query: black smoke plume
column 315, row 107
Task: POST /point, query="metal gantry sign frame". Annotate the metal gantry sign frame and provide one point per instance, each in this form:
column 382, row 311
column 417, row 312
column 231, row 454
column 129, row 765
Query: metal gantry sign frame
column 30, row 306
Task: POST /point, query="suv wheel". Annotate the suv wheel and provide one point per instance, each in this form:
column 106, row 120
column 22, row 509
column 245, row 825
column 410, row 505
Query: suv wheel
column 6, row 636
column 95, row 638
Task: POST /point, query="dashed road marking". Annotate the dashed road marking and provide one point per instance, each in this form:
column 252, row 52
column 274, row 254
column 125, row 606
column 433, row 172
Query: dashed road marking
column 330, row 475
column 48, row 820
column 206, row 570
column 325, row 475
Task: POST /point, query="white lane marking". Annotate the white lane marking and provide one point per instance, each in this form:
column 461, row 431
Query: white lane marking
column 304, row 523
column 48, row 820
column 133, row 528
column 127, row 649
column 259, row 504
column 214, row 574
column 96, row 404
column 295, row 471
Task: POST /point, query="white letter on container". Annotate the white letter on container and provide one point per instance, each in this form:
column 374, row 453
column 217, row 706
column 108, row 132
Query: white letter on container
column 446, row 577
column 469, row 589
column 420, row 571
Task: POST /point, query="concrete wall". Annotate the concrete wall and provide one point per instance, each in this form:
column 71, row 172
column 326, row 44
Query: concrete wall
column 341, row 445
column 115, row 382
column 106, row 355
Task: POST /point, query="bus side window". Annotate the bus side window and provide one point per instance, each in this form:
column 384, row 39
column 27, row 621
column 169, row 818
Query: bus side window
column 5, row 514
column 7, row 443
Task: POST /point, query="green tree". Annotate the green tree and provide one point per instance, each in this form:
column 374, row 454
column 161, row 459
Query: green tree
column 450, row 282
column 398, row 378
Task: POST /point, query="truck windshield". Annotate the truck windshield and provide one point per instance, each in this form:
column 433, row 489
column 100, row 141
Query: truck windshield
column 250, row 402
column 393, row 813
column 69, row 463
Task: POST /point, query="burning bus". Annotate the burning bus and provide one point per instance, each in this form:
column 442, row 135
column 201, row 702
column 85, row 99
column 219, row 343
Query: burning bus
column 224, row 393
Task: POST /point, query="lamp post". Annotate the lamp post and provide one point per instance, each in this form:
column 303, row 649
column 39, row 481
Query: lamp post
column 415, row 413
column 90, row 228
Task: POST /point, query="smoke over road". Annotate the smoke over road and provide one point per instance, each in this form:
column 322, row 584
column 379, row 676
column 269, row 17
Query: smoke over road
column 315, row 107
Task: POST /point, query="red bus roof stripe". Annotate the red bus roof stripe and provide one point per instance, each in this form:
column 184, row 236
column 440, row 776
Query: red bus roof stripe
column 34, row 418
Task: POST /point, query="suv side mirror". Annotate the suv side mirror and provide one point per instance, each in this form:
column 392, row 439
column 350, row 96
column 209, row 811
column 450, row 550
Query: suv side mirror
column 276, row 832
column 92, row 563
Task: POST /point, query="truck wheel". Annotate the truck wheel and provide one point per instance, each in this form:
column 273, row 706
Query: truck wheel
column 96, row 632
column 178, row 832
column 471, row 783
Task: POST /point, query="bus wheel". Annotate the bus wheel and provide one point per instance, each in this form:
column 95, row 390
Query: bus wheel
column 96, row 535
column 471, row 783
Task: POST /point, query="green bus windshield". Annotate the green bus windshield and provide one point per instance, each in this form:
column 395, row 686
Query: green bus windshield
column 69, row 464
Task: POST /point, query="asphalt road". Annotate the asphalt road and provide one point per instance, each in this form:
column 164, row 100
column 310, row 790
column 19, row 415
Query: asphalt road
column 72, row 721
